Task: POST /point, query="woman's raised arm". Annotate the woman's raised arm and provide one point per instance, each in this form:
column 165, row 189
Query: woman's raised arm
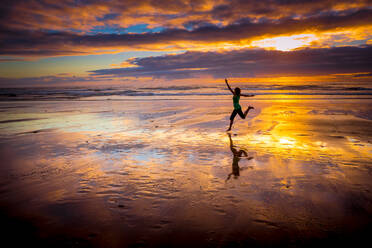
column 228, row 86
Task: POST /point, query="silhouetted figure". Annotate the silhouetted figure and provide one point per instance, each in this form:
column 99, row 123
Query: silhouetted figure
column 237, row 156
column 237, row 107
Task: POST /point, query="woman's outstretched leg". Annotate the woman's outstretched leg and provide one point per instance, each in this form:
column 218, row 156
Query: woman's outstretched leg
column 246, row 112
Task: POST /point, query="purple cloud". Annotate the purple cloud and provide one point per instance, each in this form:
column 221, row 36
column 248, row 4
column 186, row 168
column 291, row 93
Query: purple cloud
column 249, row 62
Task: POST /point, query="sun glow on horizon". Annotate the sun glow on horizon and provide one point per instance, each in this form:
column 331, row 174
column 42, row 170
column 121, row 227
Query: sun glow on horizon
column 285, row 43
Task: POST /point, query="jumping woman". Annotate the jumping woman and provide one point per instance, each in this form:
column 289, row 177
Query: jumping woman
column 237, row 107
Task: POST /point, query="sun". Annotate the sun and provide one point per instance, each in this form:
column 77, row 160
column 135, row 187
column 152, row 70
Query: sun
column 285, row 43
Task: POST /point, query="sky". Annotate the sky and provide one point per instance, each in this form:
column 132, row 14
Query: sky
column 168, row 42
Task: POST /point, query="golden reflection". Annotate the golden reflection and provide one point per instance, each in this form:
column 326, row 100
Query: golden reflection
column 300, row 134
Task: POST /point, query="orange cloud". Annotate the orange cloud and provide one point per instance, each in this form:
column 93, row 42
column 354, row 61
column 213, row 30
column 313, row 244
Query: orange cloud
column 125, row 64
column 329, row 31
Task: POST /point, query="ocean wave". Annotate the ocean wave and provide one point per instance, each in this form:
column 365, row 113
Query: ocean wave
column 306, row 87
column 174, row 91
column 172, row 88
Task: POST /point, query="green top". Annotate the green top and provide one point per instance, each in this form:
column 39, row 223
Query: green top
column 236, row 102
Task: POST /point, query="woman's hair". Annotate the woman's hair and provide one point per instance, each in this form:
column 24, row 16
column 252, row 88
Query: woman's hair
column 237, row 90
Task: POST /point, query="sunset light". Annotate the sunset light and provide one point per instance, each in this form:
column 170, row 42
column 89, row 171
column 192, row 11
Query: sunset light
column 186, row 123
column 286, row 43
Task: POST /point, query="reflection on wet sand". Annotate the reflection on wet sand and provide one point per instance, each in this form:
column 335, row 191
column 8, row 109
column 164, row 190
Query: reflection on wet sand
column 237, row 155
column 163, row 174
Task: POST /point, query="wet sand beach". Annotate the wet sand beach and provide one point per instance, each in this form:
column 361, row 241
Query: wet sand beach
column 162, row 173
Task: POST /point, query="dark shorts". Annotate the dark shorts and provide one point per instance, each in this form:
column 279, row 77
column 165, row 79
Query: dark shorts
column 237, row 111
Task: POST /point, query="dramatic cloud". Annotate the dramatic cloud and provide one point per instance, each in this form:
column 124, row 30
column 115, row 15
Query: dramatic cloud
column 47, row 28
column 249, row 63
column 57, row 43
column 84, row 15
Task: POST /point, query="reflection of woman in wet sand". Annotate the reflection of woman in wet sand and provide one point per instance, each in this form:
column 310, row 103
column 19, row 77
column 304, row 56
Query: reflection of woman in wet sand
column 237, row 107
column 237, row 156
